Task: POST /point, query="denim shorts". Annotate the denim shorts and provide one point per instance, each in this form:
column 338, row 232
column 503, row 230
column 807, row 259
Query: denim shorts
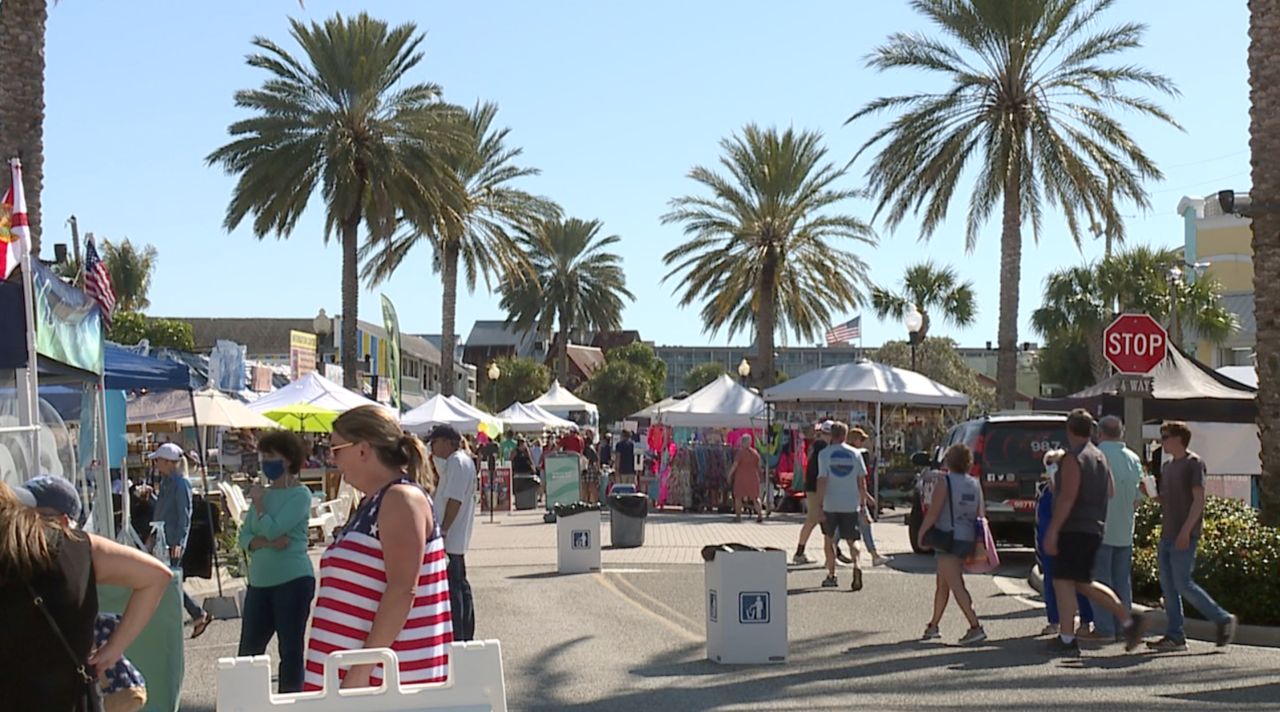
column 960, row 549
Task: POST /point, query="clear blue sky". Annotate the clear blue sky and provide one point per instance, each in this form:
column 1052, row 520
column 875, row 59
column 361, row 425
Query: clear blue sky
column 613, row 101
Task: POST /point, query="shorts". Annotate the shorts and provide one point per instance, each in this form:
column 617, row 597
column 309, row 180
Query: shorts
column 812, row 515
column 1076, row 554
column 842, row 525
column 960, row 549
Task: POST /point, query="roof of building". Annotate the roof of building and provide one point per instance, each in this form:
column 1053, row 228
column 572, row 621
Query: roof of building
column 586, row 358
column 497, row 333
column 258, row 336
column 1241, row 304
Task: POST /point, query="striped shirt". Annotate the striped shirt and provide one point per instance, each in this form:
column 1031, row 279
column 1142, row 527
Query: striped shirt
column 353, row 578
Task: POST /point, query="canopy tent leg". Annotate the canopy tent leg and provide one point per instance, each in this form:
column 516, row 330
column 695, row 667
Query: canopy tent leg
column 879, row 451
column 223, row 606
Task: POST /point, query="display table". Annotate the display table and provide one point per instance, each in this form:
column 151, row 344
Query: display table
column 158, row 652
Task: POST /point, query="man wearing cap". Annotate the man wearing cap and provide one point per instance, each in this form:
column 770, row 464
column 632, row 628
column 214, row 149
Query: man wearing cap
column 454, row 505
column 573, row 440
column 173, row 509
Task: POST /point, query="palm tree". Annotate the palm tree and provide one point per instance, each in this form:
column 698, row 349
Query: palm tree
column 130, row 270
column 575, row 280
column 479, row 235
column 1081, row 301
column 1264, row 139
column 763, row 248
column 345, row 122
column 1028, row 104
column 928, row 288
column 22, row 28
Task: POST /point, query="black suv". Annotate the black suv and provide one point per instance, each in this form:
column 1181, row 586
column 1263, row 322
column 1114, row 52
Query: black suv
column 1008, row 458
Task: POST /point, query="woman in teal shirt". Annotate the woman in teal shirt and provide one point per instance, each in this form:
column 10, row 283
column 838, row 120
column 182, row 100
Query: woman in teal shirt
column 281, row 579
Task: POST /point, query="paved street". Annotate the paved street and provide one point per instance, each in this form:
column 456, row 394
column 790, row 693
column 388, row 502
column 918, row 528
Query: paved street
column 631, row 637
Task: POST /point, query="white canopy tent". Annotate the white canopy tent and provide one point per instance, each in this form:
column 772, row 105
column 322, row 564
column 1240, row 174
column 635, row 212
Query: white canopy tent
column 444, row 410
column 560, row 401
column 313, row 389
column 652, row 411
column 723, row 403
column 530, row 419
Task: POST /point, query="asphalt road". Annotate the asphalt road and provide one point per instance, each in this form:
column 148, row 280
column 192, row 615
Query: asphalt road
column 632, row 639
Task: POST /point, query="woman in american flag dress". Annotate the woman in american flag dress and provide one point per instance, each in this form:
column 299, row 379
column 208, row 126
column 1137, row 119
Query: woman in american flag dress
column 384, row 580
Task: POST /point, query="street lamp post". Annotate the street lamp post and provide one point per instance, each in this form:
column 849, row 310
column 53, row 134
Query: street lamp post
column 744, row 370
column 494, row 373
column 914, row 322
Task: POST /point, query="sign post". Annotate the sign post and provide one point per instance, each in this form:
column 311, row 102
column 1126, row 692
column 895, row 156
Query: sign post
column 1135, row 344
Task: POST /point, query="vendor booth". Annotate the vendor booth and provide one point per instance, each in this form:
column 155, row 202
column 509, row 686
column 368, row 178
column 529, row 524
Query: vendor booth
column 316, row 390
column 530, row 419
column 448, row 410
column 561, row 402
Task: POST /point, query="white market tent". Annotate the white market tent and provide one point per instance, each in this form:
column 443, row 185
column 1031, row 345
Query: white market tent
column 723, row 403
column 866, row 381
column 652, row 411
column 444, row 410
column 562, row 402
column 530, row 419
column 313, row 389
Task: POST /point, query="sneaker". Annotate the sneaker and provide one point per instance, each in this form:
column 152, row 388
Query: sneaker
column 1059, row 649
column 842, row 557
column 802, row 559
column 1051, row 629
column 1133, row 634
column 975, row 635
column 830, row 582
column 931, row 632
column 878, row 560
column 1227, row 631
column 1167, row 645
column 857, row 580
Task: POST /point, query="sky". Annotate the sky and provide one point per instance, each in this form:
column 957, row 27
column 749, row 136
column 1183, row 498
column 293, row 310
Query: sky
column 613, row 102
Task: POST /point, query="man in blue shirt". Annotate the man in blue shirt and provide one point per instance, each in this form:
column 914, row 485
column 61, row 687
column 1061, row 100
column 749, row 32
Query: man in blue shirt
column 1114, row 565
column 842, row 477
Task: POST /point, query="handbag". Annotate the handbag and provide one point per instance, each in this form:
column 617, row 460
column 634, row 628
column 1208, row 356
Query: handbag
column 984, row 558
column 937, row 539
column 92, row 690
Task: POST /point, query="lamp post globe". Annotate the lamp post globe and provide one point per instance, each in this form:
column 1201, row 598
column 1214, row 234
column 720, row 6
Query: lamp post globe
column 744, row 369
column 494, row 373
column 914, row 321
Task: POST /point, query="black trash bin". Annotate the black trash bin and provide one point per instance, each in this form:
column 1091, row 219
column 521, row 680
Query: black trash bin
column 525, row 489
column 627, row 513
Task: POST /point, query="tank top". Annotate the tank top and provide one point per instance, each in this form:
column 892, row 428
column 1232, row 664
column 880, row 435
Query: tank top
column 43, row 676
column 1089, row 513
column 961, row 505
column 353, row 577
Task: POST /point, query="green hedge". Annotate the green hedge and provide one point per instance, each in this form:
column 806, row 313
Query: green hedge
column 1238, row 561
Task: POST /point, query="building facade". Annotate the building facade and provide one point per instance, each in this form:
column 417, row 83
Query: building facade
column 1225, row 242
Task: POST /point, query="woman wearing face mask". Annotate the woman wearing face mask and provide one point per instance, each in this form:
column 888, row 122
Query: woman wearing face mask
column 281, row 579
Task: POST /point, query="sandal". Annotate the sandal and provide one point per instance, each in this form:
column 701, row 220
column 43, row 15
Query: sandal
column 200, row 624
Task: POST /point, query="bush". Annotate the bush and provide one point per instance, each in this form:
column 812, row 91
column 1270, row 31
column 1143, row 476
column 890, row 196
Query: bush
column 1238, row 561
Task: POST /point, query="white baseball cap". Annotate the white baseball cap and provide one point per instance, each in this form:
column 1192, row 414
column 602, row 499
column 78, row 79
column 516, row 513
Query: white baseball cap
column 167, row 451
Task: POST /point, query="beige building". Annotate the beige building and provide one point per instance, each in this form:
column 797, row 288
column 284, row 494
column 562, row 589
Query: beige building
column 1225, row 242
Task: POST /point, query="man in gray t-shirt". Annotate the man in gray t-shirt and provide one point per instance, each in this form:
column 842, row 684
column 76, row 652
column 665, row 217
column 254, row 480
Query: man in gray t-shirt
column 1182, row 495
column 842, row 477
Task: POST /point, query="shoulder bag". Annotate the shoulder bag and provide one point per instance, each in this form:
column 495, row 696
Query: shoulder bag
column 937, row 539
column 92, row 689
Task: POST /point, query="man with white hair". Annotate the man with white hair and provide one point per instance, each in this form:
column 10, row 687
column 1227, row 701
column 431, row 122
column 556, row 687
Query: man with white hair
column 1114, row 564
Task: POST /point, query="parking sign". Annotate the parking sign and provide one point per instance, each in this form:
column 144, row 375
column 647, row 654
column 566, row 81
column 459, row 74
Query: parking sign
column 581, row 539
column 753, row 607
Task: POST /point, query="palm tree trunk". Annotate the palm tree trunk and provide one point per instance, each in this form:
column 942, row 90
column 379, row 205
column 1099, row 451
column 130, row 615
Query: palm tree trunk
column 350, row 300
column 1264, row 132
column 766, row 319
column 22, row 24
column 924, row 324
column 1098, row 364
column 448, row 339
column 562, row 358
column 1010, row 273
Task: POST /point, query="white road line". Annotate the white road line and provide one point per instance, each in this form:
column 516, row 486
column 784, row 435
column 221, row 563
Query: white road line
column 1020, row 591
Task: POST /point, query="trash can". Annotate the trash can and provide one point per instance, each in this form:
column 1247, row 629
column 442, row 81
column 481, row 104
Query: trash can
column 525, row 489
column 627, row 513
column 577, row 538
column 746, row 590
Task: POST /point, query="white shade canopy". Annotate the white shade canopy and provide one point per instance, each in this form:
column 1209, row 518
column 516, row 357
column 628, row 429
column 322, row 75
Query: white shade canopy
column 313, row 389
column 723, row 403
column 445, row 410
column 212, row 408
column 530, row 418
column 652, row 411
column 560, row 400
column 866, row 381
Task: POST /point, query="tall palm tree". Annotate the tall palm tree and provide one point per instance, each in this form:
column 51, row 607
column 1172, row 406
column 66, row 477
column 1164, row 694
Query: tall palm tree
column 576, row 282
column 479, row 236
column 928, row 288
column 1264, row 139
column 22, row 28
column 1082, row 300
column 1030, row 107
column 343, row 120
column 130, row 270
column 764, row 246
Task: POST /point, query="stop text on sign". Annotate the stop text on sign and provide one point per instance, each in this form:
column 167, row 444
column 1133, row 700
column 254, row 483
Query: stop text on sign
column 1136, row 344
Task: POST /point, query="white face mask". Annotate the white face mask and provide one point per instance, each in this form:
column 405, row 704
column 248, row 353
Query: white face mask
column 1052, row 471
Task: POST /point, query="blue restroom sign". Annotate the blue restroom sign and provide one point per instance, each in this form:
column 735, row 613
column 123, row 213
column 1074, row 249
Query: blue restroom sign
column 581, row 539
column 753, row 607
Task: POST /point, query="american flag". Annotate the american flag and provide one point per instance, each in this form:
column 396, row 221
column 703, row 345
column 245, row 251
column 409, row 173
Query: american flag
column 98, row 283
column 844, row 333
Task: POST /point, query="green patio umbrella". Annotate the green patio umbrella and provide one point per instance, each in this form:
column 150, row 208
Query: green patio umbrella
column 304, row 418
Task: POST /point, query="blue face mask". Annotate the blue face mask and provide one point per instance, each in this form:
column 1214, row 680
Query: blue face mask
column 273, row 469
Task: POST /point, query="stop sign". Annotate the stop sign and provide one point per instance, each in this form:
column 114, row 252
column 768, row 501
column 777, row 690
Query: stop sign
column 1135, row 343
